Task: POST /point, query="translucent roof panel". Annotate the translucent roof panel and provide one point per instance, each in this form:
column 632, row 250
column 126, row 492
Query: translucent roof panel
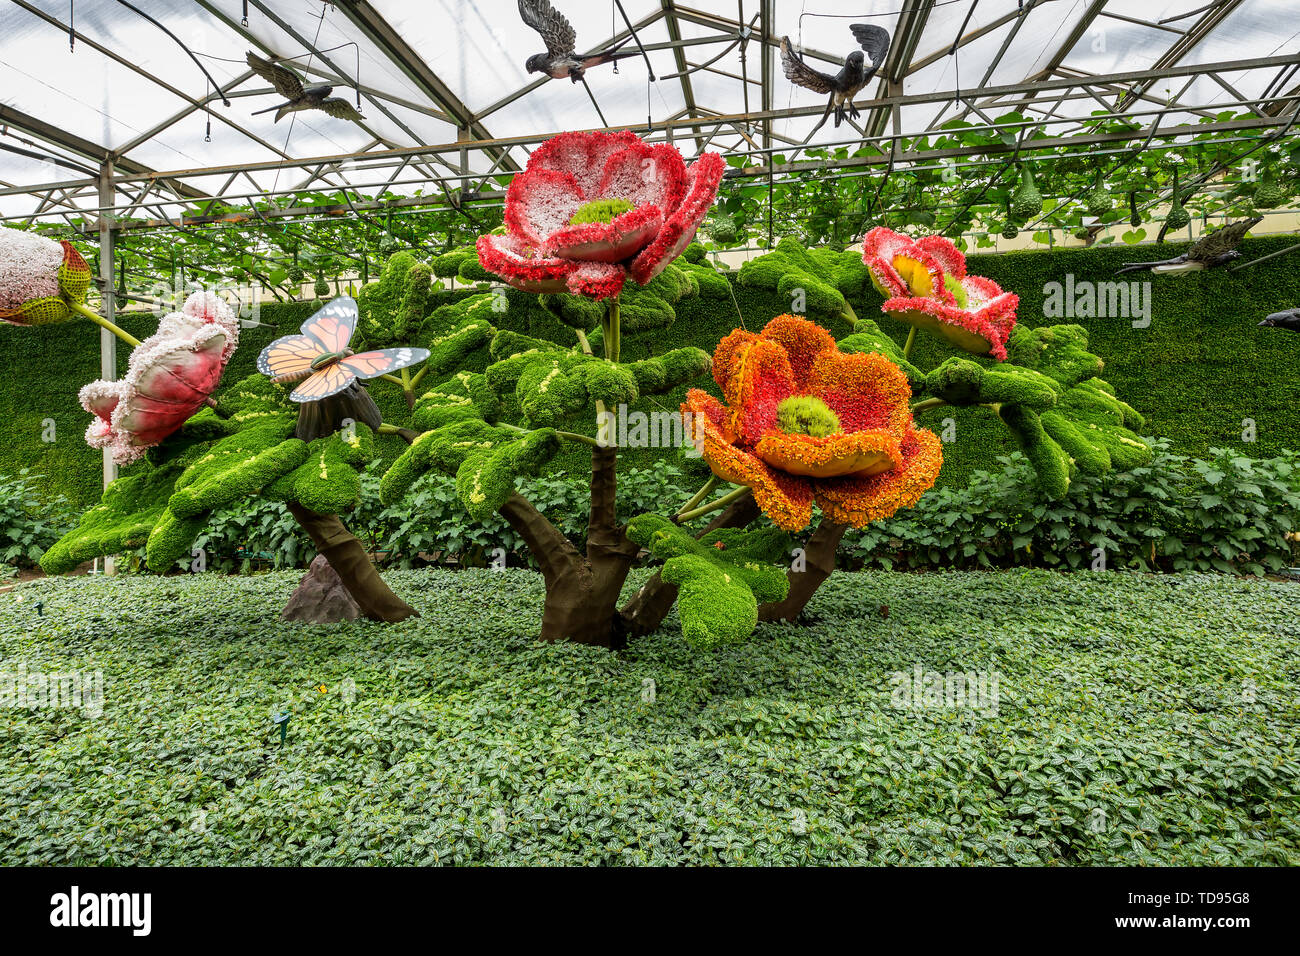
column 442, row 83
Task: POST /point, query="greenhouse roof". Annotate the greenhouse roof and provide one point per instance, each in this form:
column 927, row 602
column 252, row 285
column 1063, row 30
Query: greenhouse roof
column 448, row 104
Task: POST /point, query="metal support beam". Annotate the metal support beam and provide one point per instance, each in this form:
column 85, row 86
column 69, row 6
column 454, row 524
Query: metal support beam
column 381, row 33
column 107, row 340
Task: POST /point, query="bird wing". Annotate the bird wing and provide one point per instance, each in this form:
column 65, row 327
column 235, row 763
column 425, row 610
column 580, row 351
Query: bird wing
column 1223, row 239
column 874, row 39
column 557, row 33
column 801, row 74
column 284, row 80
column 340, row 108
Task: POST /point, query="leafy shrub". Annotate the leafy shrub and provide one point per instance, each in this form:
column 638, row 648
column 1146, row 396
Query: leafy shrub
column 30, row 521
column 429, row 520
column 1230, row 513
column 1143, row 719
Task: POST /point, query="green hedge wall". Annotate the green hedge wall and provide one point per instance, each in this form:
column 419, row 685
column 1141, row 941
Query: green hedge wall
column 1201, row 367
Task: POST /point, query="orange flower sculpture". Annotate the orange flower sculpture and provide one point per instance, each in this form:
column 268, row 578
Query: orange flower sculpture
column 925, row 284
column 806, row 422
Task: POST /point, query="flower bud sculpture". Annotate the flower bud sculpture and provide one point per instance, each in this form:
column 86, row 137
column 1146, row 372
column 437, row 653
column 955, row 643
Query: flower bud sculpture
column 41, row 281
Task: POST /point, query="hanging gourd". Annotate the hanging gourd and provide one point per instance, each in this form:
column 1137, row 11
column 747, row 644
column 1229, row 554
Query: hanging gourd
column 1134, row 217
column 1009, row 231
column 1268, row 194
column 322, row 287
column 724, row 230
column 1097, row 200
column 1177, row 217
column 1027, row 201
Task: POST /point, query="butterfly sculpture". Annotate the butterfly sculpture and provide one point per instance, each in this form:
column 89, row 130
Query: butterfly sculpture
column 320, row 359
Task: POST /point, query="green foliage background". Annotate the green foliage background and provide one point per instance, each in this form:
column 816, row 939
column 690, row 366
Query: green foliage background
column 456, row 737
column 1200, row 368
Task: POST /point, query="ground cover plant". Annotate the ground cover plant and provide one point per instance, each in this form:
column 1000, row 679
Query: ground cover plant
column 1139, row 719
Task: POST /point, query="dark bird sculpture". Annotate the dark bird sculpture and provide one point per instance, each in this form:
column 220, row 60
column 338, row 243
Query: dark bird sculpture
column 1213, row 249
column 299, row 97
column 849, row 81
column 561, row 57
column 1288, row 319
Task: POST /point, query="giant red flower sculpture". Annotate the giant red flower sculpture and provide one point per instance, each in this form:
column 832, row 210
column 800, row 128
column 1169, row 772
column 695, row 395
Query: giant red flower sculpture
column 925, row 284
column 592, row 209
column 169, row 377
column 805, row 422
column 41, row 281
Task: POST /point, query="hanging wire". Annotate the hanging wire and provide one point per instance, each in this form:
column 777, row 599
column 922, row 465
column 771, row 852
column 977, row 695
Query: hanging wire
column 243, row 22
column 181, row 44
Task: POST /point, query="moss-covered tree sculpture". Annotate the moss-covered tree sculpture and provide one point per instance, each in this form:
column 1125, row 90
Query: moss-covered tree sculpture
column 596, row 245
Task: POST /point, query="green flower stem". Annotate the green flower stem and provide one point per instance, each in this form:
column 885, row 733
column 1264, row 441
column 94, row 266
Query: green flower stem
column 418, row 377
column 699, row 495
column 568, row 436
column 927, row 404
column 408, row 435
column 612, row 329
column 849, row 315
column 719, row 503
column 582, row 341
column 102, row 322
column 388, row 377
column 907, row 348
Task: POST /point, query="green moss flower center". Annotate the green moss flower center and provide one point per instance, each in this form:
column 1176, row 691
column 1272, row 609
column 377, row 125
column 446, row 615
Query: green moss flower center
column 806, row 415
column 600, row 210
column 954, row 286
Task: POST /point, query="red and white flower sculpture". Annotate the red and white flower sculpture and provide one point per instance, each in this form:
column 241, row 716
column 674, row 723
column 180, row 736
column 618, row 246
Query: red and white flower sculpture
column 169, row 377
column 592, row 209
column 925, row 284
column 41, row 281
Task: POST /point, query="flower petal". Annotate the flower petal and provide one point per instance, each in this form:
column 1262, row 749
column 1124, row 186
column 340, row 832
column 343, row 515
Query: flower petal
column 859, row 501
column 519, row 265
column 540, row 202
column 803, row 342
column 702, row 179
column 760, row 381
column 982, row 330
column 597, row 280
column 645, row 175
column 949, row 257
column 860, row 453
column 620, row 238
column 786, row 499
column 866, row 390
column 581, row 155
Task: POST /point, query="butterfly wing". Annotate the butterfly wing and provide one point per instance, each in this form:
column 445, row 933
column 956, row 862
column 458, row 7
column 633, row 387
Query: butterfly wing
column 378, row 361
column 332, row 326
column 328, row 381
column 289, row 358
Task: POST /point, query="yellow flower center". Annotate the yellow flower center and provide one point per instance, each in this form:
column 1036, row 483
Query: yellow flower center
column 600, row 210
column 807, row 415
column 916, row 275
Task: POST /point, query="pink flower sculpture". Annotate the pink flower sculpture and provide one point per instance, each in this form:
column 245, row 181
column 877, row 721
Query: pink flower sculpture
column 169, row 377
column 925, row 284
column 593, row 208
column 40, row 279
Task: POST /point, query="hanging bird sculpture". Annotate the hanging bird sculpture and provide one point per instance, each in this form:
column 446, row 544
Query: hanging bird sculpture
column 849, row 81
column 1213, row 249
column 1288, row 319
column 561, row 57
column 299, row 97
